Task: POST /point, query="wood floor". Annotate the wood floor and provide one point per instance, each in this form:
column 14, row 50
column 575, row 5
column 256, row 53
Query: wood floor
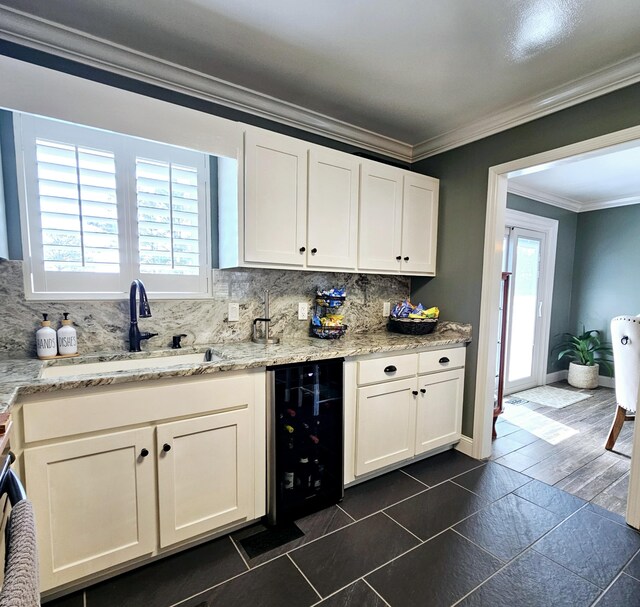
column 578, row 463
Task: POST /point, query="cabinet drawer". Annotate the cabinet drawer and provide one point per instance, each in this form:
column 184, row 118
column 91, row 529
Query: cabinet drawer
column 441, row 360
column 387, row 368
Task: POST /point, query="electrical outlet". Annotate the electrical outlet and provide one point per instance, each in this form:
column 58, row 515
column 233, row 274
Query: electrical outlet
column 386, row 308
column 303, row 310
column 234, row 312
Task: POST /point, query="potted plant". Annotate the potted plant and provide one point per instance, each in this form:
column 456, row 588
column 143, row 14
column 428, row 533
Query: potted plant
column 586, row 353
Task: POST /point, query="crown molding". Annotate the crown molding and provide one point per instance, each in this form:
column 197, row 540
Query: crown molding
column 609, row 204
column 53, row 38
column 533, row 194
column 50, row 37
column 598, row 83
column 568, row 203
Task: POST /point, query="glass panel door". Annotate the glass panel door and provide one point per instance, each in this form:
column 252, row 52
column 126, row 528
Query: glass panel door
column 525, row 260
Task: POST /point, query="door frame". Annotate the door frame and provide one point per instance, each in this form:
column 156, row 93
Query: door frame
column 490, row 293
column 548, row 227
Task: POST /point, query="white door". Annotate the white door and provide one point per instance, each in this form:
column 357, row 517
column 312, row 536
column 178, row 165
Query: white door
column 380, row 235
column 95, row 503
column 525, row 261
column 333, row 209
column 205, row 474
column 385, row 426
column 419, row 225
column 275, row 199
column 439, row 414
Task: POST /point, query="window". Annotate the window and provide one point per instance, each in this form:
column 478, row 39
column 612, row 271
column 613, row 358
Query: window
column 102, row 209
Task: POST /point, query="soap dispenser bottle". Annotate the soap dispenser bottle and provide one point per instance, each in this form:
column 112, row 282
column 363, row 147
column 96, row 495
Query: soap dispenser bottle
column 46, row 342
column 67, row 338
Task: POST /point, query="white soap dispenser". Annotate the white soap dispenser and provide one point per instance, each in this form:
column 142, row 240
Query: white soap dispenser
column 46, row 342
column 67, row 338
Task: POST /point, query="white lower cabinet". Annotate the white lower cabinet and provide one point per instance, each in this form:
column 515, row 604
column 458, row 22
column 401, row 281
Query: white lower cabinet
column 205, row 474
column 439, row 410
column 385, row 427
column 95, row 503
column 108, row 497
column 398, row 419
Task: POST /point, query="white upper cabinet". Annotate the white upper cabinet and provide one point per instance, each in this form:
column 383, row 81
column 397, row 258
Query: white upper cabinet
column 419, row 224
column 398, row 221
column 380, row 218
column 275, row 218
column 309, row 207
column 333, row 209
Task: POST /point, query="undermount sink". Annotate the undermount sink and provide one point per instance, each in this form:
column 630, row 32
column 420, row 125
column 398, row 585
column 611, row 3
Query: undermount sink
column 109, row 366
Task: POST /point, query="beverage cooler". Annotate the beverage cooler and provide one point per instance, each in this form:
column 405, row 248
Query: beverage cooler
column 305, row 456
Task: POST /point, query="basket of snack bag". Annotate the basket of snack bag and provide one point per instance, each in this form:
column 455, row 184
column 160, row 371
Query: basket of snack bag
column 413, row 320
column 326, row 322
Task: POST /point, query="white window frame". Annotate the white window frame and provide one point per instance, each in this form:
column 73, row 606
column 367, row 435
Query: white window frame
column 41, row 285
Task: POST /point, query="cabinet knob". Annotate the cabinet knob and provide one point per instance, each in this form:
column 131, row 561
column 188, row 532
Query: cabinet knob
column 423, row 390
column 314, row 251
column 406, row 259
column 144, row 452
column 398, row 257
column 414, row 392
column 444, row 360
column 166, row 447
column 390, row 369
column 303, row 249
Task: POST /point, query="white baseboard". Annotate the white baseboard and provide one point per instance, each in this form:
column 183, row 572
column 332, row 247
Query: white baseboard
column 606, row 382
column 465, row 446
column 552, row 378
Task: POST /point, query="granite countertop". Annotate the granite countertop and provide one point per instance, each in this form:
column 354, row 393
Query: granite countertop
column 22, row 376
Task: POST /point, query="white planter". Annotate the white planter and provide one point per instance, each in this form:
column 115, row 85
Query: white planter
column 583, row 376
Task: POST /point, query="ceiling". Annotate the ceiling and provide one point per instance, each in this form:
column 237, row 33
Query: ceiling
column 408, row 78
column 602, row 179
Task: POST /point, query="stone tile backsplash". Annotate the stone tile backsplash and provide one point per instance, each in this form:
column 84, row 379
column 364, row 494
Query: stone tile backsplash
column 103, row 325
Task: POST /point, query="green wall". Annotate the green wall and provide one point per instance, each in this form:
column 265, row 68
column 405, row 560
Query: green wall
column 564, row 269
column 606, row 271
column 463, row 174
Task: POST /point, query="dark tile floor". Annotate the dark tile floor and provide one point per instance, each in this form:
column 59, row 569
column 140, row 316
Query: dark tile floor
column 445, row 531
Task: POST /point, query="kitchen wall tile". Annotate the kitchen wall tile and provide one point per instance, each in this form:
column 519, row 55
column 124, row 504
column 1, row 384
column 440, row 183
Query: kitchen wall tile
column 103, row 325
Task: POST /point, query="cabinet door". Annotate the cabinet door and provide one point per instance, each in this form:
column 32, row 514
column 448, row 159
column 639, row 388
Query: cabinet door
column 333, row 209
column 419, row 224
column 385, row 426
column 439, row 415
column 275, row 198
column 380, row 234
column 94, row 501
column 205, row 474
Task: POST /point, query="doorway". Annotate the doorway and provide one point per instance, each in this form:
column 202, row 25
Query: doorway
column 488, row 330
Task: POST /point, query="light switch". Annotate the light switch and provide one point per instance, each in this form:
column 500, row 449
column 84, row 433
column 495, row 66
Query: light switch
column 234, row 312
column 386, row 308
column 303, row 310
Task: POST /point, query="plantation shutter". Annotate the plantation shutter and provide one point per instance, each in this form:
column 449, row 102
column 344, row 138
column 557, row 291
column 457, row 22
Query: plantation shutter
column 103, row 209
column 171, row 200
column 74, row 208
column 78, row 208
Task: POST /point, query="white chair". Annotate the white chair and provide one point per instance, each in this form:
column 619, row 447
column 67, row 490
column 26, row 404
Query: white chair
column 625, row 339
